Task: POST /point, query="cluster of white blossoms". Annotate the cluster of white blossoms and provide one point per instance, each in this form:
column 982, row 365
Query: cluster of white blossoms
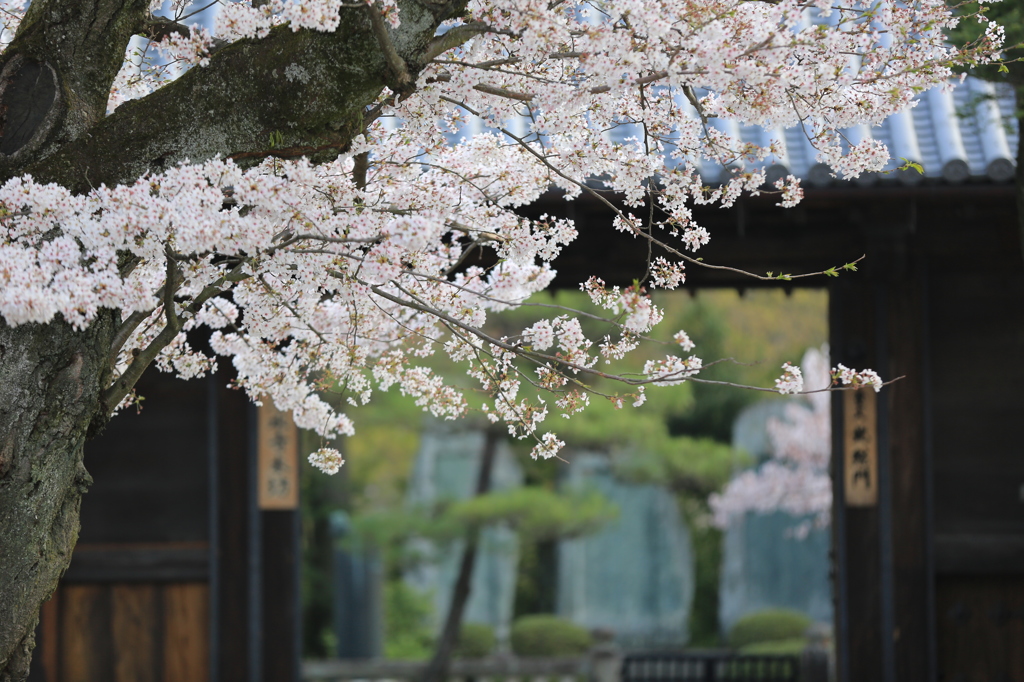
column 311, row 278
column 841, row 374
column 796, row 478
column 791, row 381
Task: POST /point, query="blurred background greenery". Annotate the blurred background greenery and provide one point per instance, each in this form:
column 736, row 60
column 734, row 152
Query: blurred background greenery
column 680, row 438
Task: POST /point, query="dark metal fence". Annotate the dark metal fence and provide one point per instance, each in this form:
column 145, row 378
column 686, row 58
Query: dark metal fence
column 586, row 668
column 600, row 664
column 709, row 667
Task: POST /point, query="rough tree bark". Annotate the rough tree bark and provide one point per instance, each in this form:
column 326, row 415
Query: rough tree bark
column 54, row 81
column 50, row 382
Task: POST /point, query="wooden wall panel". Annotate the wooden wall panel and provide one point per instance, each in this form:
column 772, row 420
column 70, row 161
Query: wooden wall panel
column 235, row 498
column 135, row 632
column 977, row 322
column 186, row 642
column 282, row 601
column 150, row 468
column 84, row 647
column 980, row 628
column 139, row 632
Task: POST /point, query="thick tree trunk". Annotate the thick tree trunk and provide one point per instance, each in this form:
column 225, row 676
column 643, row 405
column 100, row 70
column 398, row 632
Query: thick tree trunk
column 50, row 382
column 437, row 669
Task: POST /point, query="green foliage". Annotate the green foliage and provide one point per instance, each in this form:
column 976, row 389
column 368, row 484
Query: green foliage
column 725, row 324
column 320, row 495
column 1010, row 15
column 670, row 438
column 911, row 165
column 407, row 615
column 696, row 466
column 547, row 635
column 768, row 626
column 534, row 513
column 707, row 559
column 603, row 425
column 603, row 422
column 476, row 640
column 536, row 588
column 778, row 647
column 380, row 456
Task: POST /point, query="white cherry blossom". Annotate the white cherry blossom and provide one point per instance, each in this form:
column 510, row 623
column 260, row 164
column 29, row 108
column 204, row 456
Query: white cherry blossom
column 310, row 278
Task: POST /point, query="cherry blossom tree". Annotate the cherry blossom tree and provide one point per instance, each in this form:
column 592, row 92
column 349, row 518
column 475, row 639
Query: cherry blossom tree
column 288, row 181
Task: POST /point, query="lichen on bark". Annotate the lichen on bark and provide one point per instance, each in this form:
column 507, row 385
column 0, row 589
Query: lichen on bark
column 50, row 382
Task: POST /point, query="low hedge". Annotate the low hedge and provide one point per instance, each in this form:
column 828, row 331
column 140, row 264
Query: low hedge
column 777, row 647
column 476, row 640
column 768, row 626
column 546, row 635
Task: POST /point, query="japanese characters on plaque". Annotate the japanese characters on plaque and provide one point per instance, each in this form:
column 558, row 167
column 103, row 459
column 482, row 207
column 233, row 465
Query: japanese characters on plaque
column 860, row 447
column 277, row 459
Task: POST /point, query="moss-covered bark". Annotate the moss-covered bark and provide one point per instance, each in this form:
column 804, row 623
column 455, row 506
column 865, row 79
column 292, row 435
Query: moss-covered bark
column 311, row 89
column 50, row 381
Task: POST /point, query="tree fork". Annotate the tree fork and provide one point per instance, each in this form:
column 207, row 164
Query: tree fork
column 311, row 88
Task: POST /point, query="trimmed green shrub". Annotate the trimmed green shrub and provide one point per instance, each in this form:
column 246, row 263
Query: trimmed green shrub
column 768, row 626
column 547, row 635
column 476, row 640
column 777, row 647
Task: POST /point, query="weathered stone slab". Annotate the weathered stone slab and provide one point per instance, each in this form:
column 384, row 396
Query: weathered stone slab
column 447, row 466
column 636, row 575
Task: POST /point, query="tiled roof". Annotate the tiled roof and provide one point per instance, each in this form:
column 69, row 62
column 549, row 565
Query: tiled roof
column 965, row 134
column 968, row 134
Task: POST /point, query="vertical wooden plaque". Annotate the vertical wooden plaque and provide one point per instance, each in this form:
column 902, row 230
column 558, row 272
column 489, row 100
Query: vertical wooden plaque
column 860, row 447
column 277, row 459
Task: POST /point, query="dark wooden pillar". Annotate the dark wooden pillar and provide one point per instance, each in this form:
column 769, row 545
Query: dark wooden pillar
column 977, row 362
column 856, row 539
column 884, row 574
column 281, row 600
column 257, row 574
column 233, row 636
column 910, row 476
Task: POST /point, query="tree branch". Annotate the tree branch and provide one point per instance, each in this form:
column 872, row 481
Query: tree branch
column 158, row 28
column 399, row 70
column 453, row 38
column 310, row 87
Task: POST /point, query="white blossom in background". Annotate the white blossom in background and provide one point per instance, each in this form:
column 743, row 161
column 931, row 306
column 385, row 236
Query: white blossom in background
column 310, row 279
column 795, row 479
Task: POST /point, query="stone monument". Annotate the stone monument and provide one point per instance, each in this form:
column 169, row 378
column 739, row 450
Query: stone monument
column 635, row 576
column 765, row 563
column 447, row 466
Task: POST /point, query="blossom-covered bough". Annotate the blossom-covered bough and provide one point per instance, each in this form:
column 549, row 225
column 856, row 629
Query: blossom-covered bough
column 289, row 179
